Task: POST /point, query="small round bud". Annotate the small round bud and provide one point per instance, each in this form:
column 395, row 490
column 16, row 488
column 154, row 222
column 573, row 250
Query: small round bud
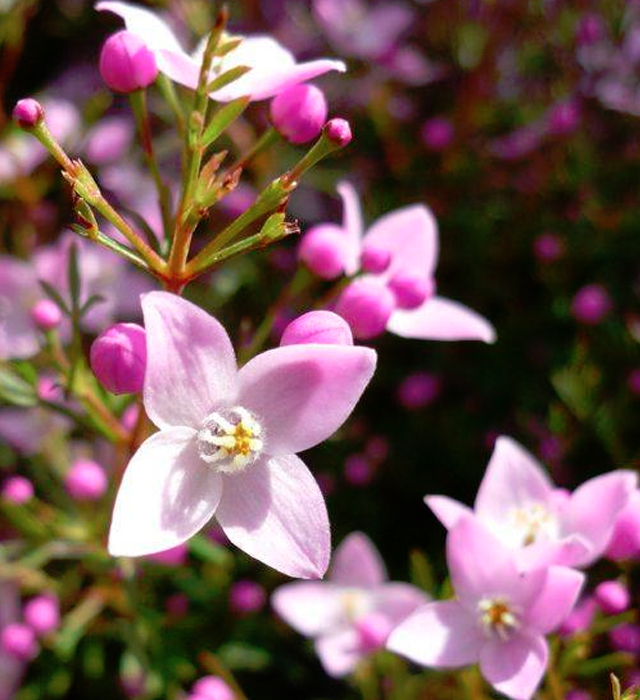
column 612, row 597
column 126, row 64
column 338, row 131
column 28, row 113
column 17, row 490
column 418, row 390
column 437, row 133
column 119, row 357
column 322, row 249
column 590, row 29
column 18, row 641
column 548, row 247
column 247, row 597
column 86, row 480
column 625, row 637
column 212, row 688
column 299, row 113
column 323, row 327
column 373, row 630
column 374, row 260
column 410, row 291
column 367, row 307
column 591, row 304
column 563, row 118
column 358, row 470
column 42, row 614
column 46, row 315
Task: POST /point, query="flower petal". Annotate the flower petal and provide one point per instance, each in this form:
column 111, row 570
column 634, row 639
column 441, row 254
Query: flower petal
column 515, row 668
column 191, row 366
column 555, row 600
column 351, row 225
column 396, row 600
column 441, row 635
column 357, row 562
column 441, row 319
column 167, row 494
column 339, row 652
column 302, row 394
column 447, row 510
column 275, row 512
column 310, row 607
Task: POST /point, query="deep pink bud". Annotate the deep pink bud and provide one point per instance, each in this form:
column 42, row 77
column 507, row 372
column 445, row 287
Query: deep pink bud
column 612, row 597
column 358, row 470
column 247, row 597
column 373, row 630
column 42, row 614
column 590, row 29
column 625, row 638
column 322, row 249
column 338, row 131
column 374, row 260
column 437, row 133
column 212, row 688
column 591, row 304
column 411, row 291
column 633, row 381
column 17, row 490
column 323, row 327
column 86, row 480
column 563, row 118
column 18, row 641
column 46, row 315
column 418, row 390
column 367, row 307
column 27, row 113
column 126, row 64
column 299, row 113
column 119, row 358
column 548, row 247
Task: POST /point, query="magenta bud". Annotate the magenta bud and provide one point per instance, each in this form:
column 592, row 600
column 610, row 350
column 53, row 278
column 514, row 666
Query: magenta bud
column 358, row 470
column 212, row 688
column 338, row 131
column 373, row 630
column 374, row 260
column 563, row 118
column 299, row 112
column 42, row 614
column 612, row 597
column 322, row 249
column 323, row 327
column 591, row 304
column 366, row 306
column 418, row 390
column 437, row 133
column 633, row 381
column 86, row 480
column 17, row 490
column 28, row 113
column 119, row 357
column 247, row 597
column 18, row 641
column 46, row 315
column 590, row 29
column 411, row 291
column 625, row 637
column 548, row 247
column 126, row 64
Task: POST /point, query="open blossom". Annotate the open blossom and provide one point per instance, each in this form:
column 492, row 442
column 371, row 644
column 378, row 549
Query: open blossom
column 498, row 618
column 352, row 613
column 273, row 68
column 228, row 438
column 518, row 502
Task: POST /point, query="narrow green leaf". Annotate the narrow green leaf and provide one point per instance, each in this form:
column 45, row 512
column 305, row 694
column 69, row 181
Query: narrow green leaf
column 15, row 390
column 55, row 297
column 222, row 118
column 74, row 277
column 227, row 77
column 90, row 303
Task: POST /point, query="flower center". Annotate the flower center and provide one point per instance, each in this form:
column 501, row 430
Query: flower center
column 230, row 439
column 497, row 617
column 355, row 603
column 531, row 521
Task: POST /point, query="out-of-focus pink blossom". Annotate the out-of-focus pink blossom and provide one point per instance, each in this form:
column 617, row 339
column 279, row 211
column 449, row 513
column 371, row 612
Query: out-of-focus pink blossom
column 613, row 597
column 563, row 118
column 591, row 304
column 548, row 247
column 42, row 614
column 377, row 448
column 626, row 637
column 17, row 490
column 212, row 688
column 633, row 381
column 419, row 390
column 18, row 641
column 109, row 140
column 11, row 667
column 46, row 315
column 437, row 133
column 590, row 28
column 86, row 480
column 358, row 470
column 246, row 597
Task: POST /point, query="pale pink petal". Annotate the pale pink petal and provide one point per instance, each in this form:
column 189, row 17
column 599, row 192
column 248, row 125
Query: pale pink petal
column 191, row 367
column 396, row 600
column 167, row 494
column 515, row 668
column 179, row 67
column 441, row 319
column 351, row 225
column 441, row 635
column 340, row 652
column 555, row 600
column 594, row 507
column 356, row 562
column 275, row 512
column 447, row 510
column 568, row 551
column 310, row 607
column 301, row 394
column 19, row 291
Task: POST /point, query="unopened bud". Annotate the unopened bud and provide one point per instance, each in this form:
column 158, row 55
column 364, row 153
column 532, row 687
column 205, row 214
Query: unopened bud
column 299, row 113
column 17, row 490
column 28, row 113
column 612, row 596
column 46, row 315
column 18, row 641
column 212, row 688
column 126, row 64
column 367, row 306
column 323, row 327
column 410, row 291
column 42, row 614
column 375, row 260
column 119, row 357
column 338, row 131
column 322, row 249
column 86, row 480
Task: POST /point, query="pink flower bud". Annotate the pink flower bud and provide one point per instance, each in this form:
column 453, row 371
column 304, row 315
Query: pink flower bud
column 42, row 614
column 247, row 597
column 338, row 131
column 373, row 630
column 322, row 249
column 591, row 304
column 411, row 291
column 437, row 133
column 176, row 556
column 126, row 64
column 358, row 470
column 323, row 327
column 212, row 688
column 374, row 260
column 119, row 358
column 612, row 597
column 548, row 247
column 563, row 118
column 46, row 315
column 299, row 112
column 28, row 113
column 17, row 490
column 86, row 480
column 418, row 390
column 625, row 638
column 18, row 641
column 633, row 381
column 367, row 307
column 590, row 29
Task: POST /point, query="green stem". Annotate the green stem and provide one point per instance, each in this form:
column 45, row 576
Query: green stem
column 267, row 139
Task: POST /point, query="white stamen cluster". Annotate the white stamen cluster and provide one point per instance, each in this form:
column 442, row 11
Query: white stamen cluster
column 497, row 617
column 230, row 440
column 355, row 604
column 531, row 521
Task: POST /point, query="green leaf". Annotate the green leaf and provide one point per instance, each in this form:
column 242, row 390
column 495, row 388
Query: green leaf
column 222, row 118
column 74, row 277
column 16, row 390
column 227, row 77
column 55, row 297
column 206, row 550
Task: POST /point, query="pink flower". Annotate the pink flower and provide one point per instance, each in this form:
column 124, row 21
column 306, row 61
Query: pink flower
column 527, row 513
column 352, row 613
column 273, row 68
column 498, row 618
column 228, row 439
column 11, row 667
column 19, row 292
